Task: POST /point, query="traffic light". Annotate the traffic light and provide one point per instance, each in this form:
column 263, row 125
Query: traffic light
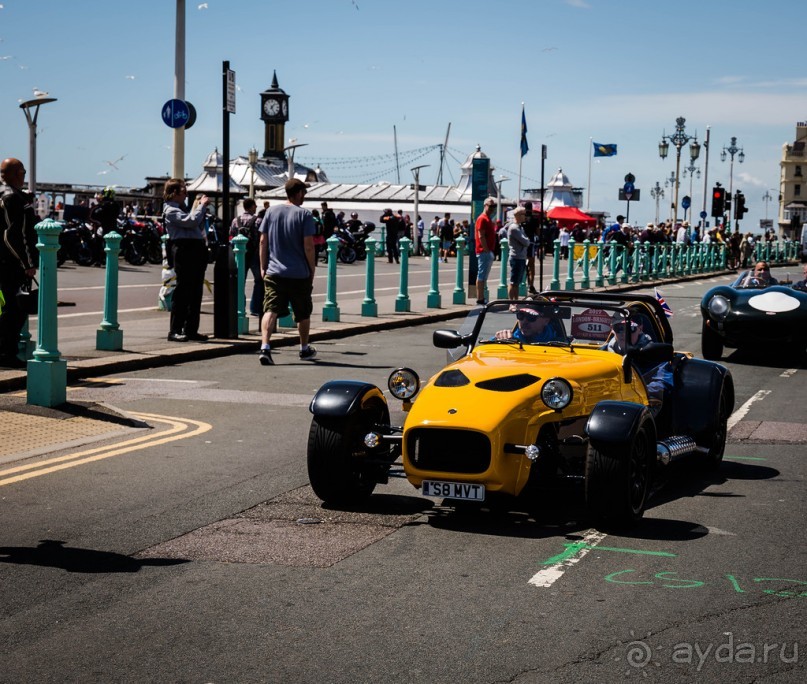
column 728, row 204
column 739, row 207
column 718, row 201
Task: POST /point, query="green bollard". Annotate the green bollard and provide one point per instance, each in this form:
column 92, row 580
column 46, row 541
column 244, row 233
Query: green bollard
column 501, row 292
column 433, row 299
column 369, row 307
column 382, row 243
column 240, row 254
column 570, row 270
column 47, row 371
column 585, row 281
column 612, row 260
column 654, row 261
column 330, row 311
column 109, row 336
column 554, row 284
column 599, row 281
column 637, row 263
column 459, row 291
column 402, row 303
column 686, row 258
column 625, row 254
column 25, row 347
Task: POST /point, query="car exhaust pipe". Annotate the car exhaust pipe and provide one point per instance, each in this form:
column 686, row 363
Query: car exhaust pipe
column 674, row 448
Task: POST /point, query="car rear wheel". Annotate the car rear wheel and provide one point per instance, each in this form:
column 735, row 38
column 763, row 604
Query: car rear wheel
column 618, row 478
column 335, row 453
column 711, row 344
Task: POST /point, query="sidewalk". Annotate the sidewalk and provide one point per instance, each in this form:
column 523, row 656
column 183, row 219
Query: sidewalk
column 27, row 431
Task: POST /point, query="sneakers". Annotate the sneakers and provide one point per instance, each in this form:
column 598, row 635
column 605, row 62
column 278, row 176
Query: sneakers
column 265, row 357
column 177, row 337
column 308, row 354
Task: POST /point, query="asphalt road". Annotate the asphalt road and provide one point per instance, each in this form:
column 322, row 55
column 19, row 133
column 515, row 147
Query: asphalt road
column 199, row 554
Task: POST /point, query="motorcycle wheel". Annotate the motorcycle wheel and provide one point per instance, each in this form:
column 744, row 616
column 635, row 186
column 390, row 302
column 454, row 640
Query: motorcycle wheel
column 83, row 254
column 154, row 254
column 134, row 257
column 347, row 255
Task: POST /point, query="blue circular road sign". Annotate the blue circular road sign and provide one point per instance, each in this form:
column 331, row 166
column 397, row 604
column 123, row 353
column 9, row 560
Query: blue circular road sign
column 703, row 214
column 686, row 202
column 175, row 113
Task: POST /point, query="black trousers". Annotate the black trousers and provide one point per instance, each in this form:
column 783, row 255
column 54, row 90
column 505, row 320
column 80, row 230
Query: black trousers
column 12, row 318
column 190, row 263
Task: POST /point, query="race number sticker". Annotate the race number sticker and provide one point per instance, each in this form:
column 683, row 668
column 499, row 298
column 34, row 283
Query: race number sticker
column 591, row 324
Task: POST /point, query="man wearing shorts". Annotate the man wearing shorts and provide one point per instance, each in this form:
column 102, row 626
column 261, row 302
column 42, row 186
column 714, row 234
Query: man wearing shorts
column 485, row 234
column 287, row 264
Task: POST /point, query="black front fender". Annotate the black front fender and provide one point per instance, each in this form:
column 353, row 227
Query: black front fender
column 340, row 398
column 614, row 422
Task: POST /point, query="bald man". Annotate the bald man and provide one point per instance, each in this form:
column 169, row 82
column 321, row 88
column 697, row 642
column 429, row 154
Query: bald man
column 19, row 256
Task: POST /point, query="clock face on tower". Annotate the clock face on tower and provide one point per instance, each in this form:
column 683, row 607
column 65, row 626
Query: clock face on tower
column 271, row 106
column 285, row 107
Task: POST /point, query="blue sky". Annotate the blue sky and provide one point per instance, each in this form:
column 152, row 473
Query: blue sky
column 617, row 71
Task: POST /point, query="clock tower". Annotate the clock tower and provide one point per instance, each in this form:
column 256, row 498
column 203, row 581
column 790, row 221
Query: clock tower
column 275, row 114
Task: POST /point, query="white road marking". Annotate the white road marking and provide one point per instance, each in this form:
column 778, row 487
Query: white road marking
column 789, row 373
column 741, row 412
column 549, row 575
column 717, row 530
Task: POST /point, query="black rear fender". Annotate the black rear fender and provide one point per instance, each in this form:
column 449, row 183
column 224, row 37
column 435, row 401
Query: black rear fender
column 698, row 386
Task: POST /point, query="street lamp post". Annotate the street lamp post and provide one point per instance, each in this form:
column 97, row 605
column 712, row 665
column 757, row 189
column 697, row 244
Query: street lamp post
column 416, row 236
column 290, row 151
column 767, row 198
column 31, row 118
column 670, row 183
column 678, row 139
column 252, row 157
column 499, row 182
column 657, row 193
column 731, row 150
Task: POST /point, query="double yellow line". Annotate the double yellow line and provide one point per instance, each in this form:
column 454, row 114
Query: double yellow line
column 178, row 428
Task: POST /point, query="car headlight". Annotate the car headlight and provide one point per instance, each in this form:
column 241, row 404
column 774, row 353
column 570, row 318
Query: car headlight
column 403, row 383
column 718, row 306
column 556, row 393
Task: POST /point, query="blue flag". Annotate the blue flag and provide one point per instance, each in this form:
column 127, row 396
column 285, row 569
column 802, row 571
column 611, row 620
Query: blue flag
column 603, row 150
column 524, row 146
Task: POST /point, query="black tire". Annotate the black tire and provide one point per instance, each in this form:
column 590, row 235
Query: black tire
column 134, row 256
column 154, row 254
column 83, row 255
column 61, row 256
column 618, row 479
column 335, row 452
column 711, row 344
column 347, row 255
column 717, row 436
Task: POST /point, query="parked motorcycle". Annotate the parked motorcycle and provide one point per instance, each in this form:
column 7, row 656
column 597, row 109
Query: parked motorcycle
column 352, row 243
column 76, row 243
column 132, row 244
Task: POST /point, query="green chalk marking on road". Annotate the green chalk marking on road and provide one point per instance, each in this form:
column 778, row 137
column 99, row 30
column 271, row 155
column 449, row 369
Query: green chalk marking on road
column 575, row 547
column 747, row 458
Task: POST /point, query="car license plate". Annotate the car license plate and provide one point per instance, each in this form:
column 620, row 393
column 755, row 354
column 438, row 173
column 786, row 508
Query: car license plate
column 454, row 490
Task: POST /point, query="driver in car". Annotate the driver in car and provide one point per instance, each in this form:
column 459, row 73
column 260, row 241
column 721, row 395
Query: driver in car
column 760, row 276
column 533, row 326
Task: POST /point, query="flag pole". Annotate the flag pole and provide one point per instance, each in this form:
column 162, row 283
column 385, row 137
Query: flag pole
column 588, row 188
column 522, row 135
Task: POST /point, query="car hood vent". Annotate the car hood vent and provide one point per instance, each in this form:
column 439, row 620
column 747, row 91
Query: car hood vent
column 452, row 378
column 509, row 383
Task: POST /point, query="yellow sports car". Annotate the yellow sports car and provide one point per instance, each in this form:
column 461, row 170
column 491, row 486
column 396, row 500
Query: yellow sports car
column 566, row 387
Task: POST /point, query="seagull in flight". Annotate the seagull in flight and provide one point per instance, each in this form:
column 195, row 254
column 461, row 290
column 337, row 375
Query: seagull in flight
column 201, row 6
column 113, row 163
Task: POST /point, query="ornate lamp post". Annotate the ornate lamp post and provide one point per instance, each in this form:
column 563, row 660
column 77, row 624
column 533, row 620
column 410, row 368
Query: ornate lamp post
column 670, row 183
column 731, row 150
column 678, row 139
column 767, row 198
column 252, row 158
column 693, row 172
column 657, row 193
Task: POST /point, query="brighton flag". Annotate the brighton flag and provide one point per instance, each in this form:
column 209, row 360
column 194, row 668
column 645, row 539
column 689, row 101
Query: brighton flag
column 604, row 150
column 667, row 310
column 524, row 146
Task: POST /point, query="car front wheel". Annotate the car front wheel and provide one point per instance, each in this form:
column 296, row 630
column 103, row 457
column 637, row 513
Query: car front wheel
column 618, row 478
column 335, row 454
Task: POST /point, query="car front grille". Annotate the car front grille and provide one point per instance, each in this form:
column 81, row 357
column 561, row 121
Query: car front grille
column 449, row 451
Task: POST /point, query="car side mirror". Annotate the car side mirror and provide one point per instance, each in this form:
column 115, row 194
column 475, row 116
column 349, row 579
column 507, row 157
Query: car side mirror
column 449, row 339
